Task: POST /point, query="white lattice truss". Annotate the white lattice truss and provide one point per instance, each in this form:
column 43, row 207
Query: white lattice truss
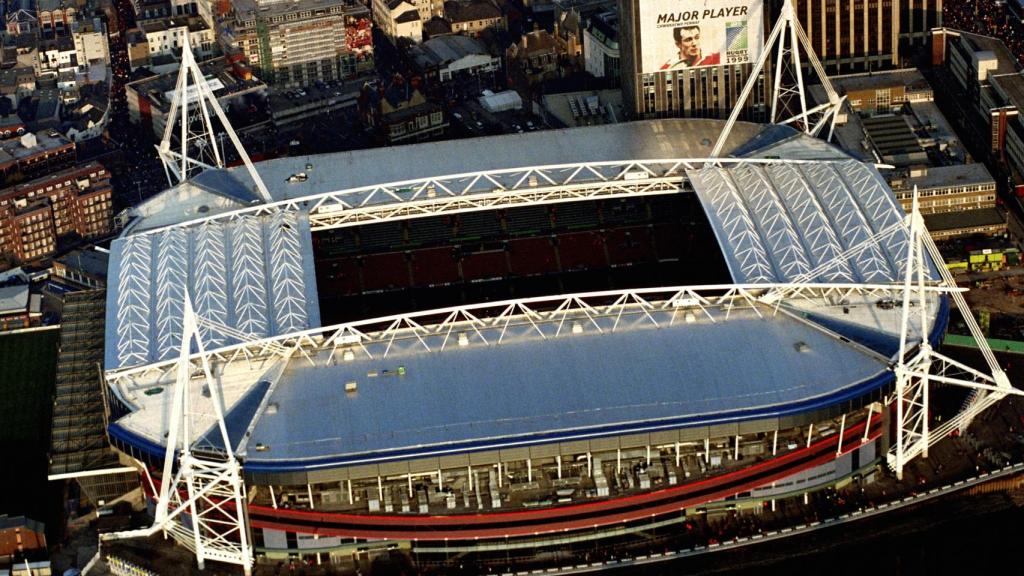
column 539, row 318
column 491, row 189
column 202, row 500
column 917, row 369
column 788, row 97
column 196, row 149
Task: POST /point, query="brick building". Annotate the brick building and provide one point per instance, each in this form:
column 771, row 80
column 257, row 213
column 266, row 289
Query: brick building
column 34, row 154
column 19, row 535
column 71, row 203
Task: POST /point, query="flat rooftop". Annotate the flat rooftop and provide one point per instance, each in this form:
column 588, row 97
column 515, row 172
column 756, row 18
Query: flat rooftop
column 911, row 79
column 269, row 9
column 1012, row 86
column 964, row 219
column 1006, row 62
column 891, row 135
column 947, row 176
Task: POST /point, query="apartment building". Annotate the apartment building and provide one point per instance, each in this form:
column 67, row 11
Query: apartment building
column 35, row 215
column 297, row 43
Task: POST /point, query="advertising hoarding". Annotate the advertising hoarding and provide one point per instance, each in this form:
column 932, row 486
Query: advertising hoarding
column 681, row 34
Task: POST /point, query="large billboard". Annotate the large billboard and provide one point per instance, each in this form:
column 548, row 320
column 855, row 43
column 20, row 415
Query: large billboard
column 681, row 34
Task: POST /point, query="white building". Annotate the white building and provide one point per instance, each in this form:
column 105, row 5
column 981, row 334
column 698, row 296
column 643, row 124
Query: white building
column 165, row 37
column 398, row 19
column 428, row 8
column 601, row 45
column 57, row 56
column 91, row 42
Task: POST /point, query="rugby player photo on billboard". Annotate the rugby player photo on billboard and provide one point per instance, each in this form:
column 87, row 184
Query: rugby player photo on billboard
column 690, row 51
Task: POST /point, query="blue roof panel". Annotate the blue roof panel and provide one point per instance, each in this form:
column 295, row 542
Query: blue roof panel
column 575, row 386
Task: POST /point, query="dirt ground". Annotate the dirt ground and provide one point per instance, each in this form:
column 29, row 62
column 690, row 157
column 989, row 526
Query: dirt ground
column 1002, row 295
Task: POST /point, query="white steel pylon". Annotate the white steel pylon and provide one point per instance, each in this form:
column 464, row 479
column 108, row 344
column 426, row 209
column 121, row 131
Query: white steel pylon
column 197, row 148
column 206, row 488
column 789, row 97
column 919, row 365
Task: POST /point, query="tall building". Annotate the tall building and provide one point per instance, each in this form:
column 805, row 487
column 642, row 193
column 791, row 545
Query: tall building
column 917, row 19
column 853, row 35
column 864, row 35
column 689, row 62
column 299, row 43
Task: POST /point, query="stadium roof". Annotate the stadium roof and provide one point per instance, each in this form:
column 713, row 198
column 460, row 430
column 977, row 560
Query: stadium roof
column 214, row 192
column 628, row 381
column 670, row 138
column 507, row 386
column 780, row 222
column 251, row 278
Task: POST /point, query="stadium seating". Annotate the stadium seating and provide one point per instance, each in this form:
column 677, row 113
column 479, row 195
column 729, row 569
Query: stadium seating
column 376, row 237
column 484, row 265
column 531, row 256
column 572, row 247
column 434, row 267
column 629, row 245
column 385, row 271
column 575, row 216
column 338, row 276
column 625, row 211
column 581, row 250
column 528, row 221
column 429, row 231
column 479, row 225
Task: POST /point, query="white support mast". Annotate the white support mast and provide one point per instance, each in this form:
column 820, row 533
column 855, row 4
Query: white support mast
column 789, row 96
column 918, row 365
column 207, row 485
column 196, row 148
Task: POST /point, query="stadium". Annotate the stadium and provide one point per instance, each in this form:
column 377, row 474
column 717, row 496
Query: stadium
column 519, row 341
